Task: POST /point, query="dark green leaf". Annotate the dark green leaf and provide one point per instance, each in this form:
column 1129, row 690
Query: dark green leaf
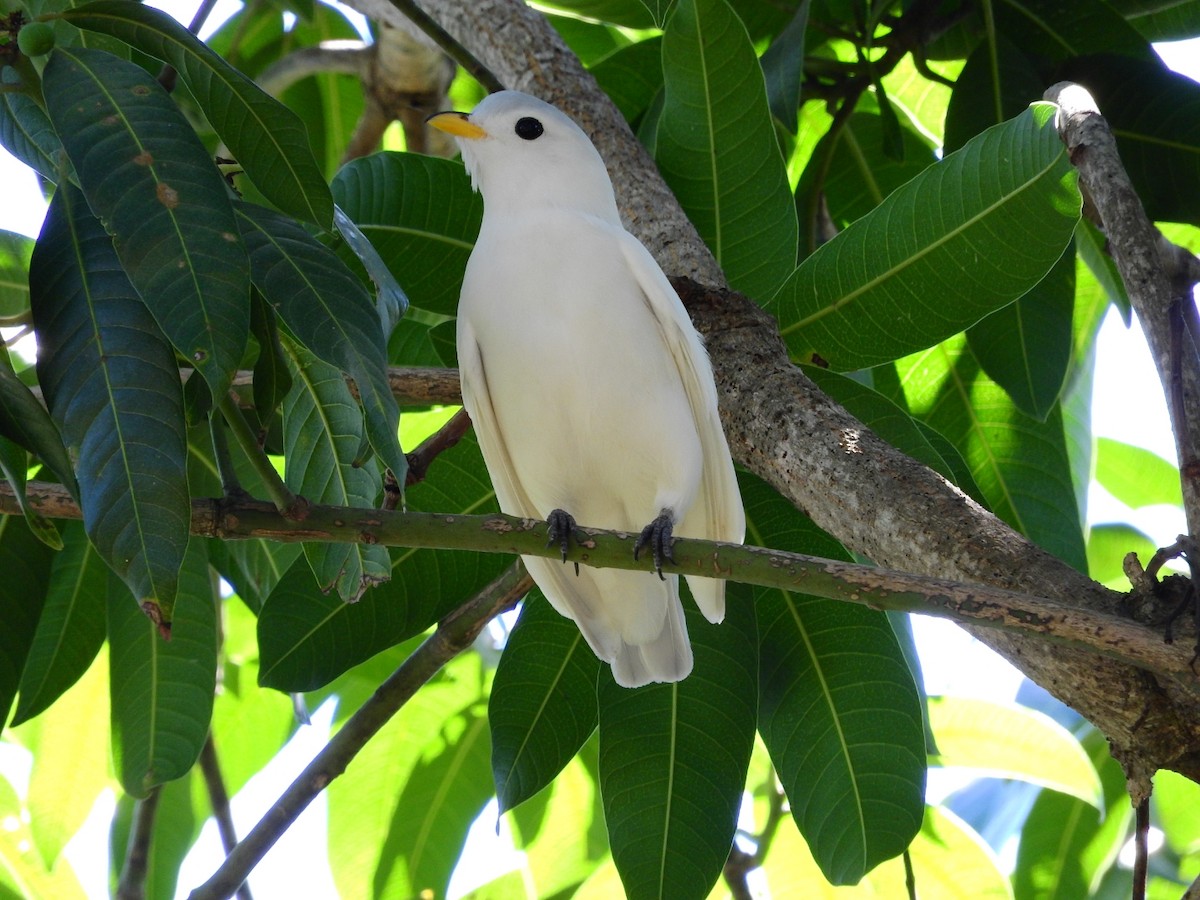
column 543, row 702
column 836, row 698
column 390, row 300
column 630, row 13
column 112, row 386
column 914, row 270
column 673, row 759
column 783, row 67
column 997, row 82
column 329, row 310
column 323, row 431
column 25, row 421
column 272, row 381
column 307, row 638
column 421, row 215
column 149, row 179
column 590, row 41
column 1162, row 20
column 71, row 628
column 14, row 466
column 25, row 131
column 1155, row 115
column 25, row 562
column 1025, row 347
column 1054, row 31
column 632, row 76
column 162, row 691
column 266, row 138
column 717, row 149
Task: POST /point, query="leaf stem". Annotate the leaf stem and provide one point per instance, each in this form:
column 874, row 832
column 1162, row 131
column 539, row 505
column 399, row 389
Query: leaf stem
column 289, row 505
column 132, row 885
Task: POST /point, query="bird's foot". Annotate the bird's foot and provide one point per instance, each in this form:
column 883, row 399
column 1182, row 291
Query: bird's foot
column 560, row 528
column 659, row 537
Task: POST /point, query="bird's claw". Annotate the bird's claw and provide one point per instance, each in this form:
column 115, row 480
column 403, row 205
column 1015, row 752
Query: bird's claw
column 560, row 527
column 659, row 536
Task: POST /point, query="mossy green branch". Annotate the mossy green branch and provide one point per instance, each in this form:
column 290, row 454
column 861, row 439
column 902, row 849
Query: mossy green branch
column 1106, row 633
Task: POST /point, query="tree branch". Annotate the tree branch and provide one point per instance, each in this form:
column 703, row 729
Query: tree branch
column 1134, row 244
column 218, row 797
column 453, row 635
column 1106, row 633
column 874, row 499
column 132, row 885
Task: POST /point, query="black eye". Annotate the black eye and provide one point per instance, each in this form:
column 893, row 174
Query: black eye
column 529, row 129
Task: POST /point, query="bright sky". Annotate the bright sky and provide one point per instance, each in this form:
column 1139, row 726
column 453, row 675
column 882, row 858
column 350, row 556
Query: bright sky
column 1128, row 405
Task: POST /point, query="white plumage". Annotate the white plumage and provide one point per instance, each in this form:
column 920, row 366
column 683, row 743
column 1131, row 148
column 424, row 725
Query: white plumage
column 589, row 389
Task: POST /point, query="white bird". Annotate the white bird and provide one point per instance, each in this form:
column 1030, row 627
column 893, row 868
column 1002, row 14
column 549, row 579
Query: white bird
column 590, row 391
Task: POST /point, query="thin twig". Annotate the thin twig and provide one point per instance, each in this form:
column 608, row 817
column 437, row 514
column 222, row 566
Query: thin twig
column 435, row 445
column 132, row 885
column 218, row 798
column 453, row 48
column 1141, row 845
column 453, row 635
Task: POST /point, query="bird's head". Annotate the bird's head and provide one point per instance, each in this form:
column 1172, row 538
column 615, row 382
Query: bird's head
column 521, row 152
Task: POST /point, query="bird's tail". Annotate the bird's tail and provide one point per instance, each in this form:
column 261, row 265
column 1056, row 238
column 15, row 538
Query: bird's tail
column 631, row 620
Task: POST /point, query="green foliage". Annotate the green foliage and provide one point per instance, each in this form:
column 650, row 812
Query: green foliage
column 901, row 204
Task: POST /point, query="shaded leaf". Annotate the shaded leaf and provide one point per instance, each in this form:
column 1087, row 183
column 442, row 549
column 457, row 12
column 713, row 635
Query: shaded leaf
column 632, row 76
column 783, row 68
column 322, row 435
column 25, row 562
column 112, row 386
column 997, row 82
column 25, row 421
column 14, row 466
column 1056, row 31
column 673, row 759
column 149, row 179
column 390, row 300
column 836, row 697
column 25, row 131
column 71, row 628
column 421, row 215
column 266, row 138
column 162, row 691
column 717, row 149
column 1025, row 347
column 984, row 225
column 329, row 310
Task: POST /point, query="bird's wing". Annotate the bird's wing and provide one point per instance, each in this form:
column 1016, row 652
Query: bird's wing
column 477, row 400
column 717, row 512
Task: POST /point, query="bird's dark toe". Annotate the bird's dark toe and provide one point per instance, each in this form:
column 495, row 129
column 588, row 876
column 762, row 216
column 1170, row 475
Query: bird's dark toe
column 560, row 527
column 659, row 537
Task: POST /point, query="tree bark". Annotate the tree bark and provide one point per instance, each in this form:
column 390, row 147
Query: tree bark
column 874, row 499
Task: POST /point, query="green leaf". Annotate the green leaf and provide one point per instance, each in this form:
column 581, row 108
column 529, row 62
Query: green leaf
column 630, row 13
column 1067, row 845
column 25, row 562
column 1174, row 20
column 717, row 148
column 70, row 631
column 1107, row 546
column 272, row 381
column 162, row 691
column 783, row 68
column 307, row 638
column 15, row 250
column 1176, row 804
column 1090, row 245
column 421, row 215
column 966, row 237
column 323, row 432
column 329, row 310
column 149, row 179
column 1025, row 347
column 673, row 760
column 399, row 816
column 23, row 874
column 25, row 421
column 1136, row 476
column 1011, row 741
column 997, row 82
column 632, row 76
column 68, row 775
column 265, row 137
column 543, row 703
column 1021, row 465
column 14, row 465
column 836, row 698
column 25, row 131
column 1057, row 31
column 112, row 386
column 1154, row 114
column 390, row 300
column 561, row 829
column 949, row 862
